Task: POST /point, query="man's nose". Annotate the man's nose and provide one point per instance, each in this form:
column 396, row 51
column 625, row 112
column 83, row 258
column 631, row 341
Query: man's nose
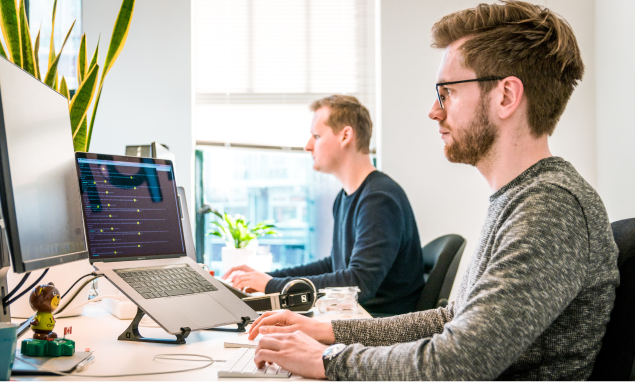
column 436, row 113
column 309, row 145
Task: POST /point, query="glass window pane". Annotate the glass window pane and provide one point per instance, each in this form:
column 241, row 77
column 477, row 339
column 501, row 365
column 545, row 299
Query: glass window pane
column 40, row 12
column 259, row 124
column 270, row 184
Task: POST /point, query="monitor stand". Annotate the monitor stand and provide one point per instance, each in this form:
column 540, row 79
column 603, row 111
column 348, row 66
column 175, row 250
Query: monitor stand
column 5, row 313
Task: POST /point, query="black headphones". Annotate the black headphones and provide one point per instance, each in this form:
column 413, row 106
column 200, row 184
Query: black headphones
column 297, row 295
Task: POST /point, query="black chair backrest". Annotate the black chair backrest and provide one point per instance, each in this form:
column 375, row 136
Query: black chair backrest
column 441, row 258
column 615, row 360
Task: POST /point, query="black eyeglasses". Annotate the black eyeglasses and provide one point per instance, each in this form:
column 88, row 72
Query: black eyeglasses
column 442, row 97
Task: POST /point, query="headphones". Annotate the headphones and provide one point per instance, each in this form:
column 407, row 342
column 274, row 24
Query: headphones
column 297, row 295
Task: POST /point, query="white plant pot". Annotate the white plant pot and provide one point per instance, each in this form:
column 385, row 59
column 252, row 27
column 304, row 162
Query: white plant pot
column 232, row 257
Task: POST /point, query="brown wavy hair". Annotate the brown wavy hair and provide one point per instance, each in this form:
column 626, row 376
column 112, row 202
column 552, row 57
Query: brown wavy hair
column 516, row 38
column 348, row 111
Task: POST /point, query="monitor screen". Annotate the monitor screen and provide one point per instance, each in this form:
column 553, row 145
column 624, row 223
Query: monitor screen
column 40, row 197
column 130, row 207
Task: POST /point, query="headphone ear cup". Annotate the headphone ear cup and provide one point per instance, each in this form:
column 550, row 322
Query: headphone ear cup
column 301, row 285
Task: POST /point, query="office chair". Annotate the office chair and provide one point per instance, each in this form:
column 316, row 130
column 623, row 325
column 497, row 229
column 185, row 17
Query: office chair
column 441, row 258
column 615, row 360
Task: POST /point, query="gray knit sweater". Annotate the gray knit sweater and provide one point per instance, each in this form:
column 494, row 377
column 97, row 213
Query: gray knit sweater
column 533, row 304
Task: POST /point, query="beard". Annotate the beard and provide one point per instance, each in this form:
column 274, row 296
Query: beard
column 472, row 143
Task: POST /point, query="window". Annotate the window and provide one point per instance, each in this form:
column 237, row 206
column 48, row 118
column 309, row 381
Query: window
column 257, row 66
column 39, row 13
column 270, row 184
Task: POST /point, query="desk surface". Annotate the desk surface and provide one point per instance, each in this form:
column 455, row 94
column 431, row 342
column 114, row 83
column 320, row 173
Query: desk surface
column 98, row 330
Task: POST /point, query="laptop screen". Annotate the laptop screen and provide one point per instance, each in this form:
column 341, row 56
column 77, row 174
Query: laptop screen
column 130, row 207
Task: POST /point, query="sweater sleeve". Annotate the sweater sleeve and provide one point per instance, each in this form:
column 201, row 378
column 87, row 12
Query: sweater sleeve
column 537, row 267
column 379, row 227
column 387, row 331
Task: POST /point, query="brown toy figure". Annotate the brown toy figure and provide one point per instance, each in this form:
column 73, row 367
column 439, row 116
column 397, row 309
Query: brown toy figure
column 44, row 300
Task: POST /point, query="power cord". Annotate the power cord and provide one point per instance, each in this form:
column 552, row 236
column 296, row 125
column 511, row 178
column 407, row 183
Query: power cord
column 9, row 302
column 172, row 357
column 78, row 291
column 24, row 278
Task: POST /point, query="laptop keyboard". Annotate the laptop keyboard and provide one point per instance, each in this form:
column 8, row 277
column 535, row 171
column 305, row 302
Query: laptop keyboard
column 165, row 281
column 242, row 365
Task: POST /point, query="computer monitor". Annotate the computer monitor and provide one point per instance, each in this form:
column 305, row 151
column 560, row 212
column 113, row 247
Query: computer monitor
column 42, row 219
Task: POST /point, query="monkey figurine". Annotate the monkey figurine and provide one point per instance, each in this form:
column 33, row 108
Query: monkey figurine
column 44, row 300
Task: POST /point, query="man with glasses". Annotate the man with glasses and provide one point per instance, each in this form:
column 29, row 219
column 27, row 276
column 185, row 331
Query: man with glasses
column 536, row 298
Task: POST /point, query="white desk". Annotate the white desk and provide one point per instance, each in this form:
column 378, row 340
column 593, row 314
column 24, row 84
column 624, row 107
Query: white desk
column 98, row 330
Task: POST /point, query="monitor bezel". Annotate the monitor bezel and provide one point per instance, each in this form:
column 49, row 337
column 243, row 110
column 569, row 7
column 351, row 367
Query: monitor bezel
column 9, row 215
column 124, row 158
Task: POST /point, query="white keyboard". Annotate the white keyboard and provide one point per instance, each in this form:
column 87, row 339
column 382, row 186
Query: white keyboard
column 242, row 365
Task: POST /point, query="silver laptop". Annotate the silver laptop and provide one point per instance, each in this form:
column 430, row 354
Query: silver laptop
column 135, row 235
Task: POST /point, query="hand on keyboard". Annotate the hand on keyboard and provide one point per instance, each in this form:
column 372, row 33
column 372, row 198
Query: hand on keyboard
column 295, row 352
column 289, row 322
column 241, row 365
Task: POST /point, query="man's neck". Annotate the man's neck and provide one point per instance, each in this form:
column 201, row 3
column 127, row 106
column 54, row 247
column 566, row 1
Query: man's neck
column 510, row 157
column 354, row 171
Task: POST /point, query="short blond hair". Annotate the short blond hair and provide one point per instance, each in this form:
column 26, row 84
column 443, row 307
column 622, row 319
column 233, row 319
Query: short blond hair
column 348, row 111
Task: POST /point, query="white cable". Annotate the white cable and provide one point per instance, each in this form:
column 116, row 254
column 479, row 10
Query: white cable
column 210, row 361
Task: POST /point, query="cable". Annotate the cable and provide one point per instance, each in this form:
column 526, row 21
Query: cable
column 5, row 304
column 75, row 283
column 78, row 291
column 210, row 361
column 7, row 297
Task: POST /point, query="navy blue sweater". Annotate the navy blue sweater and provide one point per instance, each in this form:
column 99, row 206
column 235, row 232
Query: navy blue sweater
column 375, row 246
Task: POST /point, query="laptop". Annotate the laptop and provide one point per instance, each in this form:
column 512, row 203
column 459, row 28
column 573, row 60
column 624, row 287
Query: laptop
column 135, row 236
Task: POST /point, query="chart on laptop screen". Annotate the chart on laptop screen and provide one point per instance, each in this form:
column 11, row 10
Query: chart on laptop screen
column 130, row 208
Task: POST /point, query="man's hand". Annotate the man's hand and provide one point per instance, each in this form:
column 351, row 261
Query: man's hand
column 288, row 322
column 244, row 276
column 295, row 352
column 252, row 281
column 240, row 268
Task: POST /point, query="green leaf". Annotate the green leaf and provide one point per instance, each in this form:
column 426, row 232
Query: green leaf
column 93, row 61
column 52, row 45
column 81, row 100
column 119, row 34
column 117, row 42
column 81, row 60
column 79, row 142
column 51, row 75
column 36, row 49
column 64, row 89
column 28, row 61
column 11, row 30
column 215, row 233
column 2, row 51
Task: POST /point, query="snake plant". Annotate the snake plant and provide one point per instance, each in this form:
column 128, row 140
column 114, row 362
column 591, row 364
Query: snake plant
column 20, row 51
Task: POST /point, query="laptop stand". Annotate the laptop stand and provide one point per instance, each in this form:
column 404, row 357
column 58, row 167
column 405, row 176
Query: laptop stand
column 241, row 326
column 132, row 333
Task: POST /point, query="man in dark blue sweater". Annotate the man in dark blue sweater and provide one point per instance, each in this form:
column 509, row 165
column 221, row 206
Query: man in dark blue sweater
column 375, row 239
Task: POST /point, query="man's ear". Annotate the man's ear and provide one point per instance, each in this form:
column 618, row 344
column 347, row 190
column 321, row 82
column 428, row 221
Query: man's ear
column 511, row 92
column 347, row 136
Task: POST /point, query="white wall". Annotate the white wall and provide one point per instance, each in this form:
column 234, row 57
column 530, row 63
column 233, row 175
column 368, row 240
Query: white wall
column 147, row 95
column 615, row 59
column 453, row 198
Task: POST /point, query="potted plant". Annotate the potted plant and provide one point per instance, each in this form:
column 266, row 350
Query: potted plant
column 241, row 241
column 22, row 52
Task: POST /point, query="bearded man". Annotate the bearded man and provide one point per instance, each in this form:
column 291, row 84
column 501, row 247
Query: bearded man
column 536, row 298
